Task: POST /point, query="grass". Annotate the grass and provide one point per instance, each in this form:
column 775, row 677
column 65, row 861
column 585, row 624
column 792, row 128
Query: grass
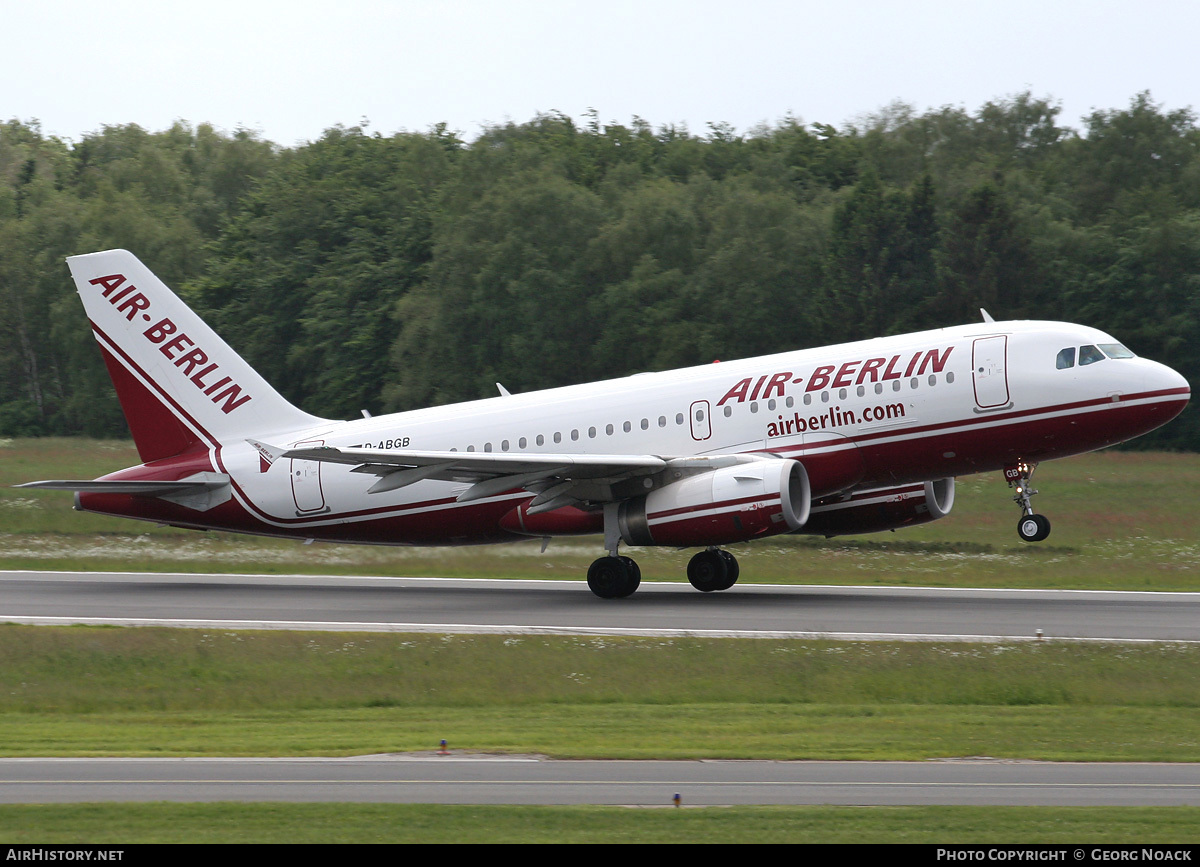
column 163, row 692
column 1122, row 520
column 121, row 824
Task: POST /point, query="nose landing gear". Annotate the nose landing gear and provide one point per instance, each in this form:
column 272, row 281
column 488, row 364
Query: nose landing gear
column 1031, row 527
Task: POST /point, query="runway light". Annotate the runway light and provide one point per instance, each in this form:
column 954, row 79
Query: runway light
column 442, row 751
column 677, row 799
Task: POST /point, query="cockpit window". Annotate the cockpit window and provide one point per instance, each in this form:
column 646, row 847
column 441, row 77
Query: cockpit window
column 1116, row 350
column 1089, row 355
column 1066, row 358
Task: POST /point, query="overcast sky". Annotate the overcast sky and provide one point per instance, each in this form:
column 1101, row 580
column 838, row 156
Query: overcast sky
column 292, row 69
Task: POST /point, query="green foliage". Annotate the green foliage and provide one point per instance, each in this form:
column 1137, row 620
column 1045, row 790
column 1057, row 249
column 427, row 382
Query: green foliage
column 370, row 272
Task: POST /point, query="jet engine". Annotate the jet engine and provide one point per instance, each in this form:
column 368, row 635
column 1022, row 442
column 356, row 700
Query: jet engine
column 733, row 504
column 871, row 511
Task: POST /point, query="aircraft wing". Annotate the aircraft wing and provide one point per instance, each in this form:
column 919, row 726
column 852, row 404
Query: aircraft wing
column 556, row 480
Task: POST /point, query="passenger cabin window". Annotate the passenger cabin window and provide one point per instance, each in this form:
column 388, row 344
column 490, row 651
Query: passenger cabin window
column 1089, row 355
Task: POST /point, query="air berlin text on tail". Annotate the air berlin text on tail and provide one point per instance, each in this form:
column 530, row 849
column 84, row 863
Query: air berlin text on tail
column 207, row 378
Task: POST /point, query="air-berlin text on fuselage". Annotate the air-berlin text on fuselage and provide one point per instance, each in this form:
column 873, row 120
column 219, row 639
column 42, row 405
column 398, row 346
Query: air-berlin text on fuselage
column 180, row 348
column 849, row 373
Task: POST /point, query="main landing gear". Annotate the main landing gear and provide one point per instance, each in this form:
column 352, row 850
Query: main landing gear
column 1031, row 527
column 713, row 569
column 615, row 577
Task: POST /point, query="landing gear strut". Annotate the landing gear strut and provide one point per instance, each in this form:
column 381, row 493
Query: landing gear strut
column 614, row 576
column 1031, row 527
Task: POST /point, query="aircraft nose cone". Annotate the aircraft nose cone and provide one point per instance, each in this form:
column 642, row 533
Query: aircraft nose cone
column 1167, row 384
column 1164, row 379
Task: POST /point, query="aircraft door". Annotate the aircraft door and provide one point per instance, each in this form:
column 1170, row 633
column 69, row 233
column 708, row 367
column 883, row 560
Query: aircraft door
column 306, row 482
column 989, row 357
column 701, row 423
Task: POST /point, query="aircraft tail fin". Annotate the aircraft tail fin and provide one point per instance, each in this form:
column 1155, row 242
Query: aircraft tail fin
column 180, row 385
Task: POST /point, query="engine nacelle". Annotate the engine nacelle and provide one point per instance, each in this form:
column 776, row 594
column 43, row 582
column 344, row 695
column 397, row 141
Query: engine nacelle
column 733, row 504
column 881, row 509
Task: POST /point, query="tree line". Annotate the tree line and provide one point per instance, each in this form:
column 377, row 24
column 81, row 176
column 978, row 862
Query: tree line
column 364, row 271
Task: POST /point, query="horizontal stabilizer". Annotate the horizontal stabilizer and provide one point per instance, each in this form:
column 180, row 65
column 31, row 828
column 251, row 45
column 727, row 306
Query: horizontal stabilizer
column 201, row 492
column 100, row 486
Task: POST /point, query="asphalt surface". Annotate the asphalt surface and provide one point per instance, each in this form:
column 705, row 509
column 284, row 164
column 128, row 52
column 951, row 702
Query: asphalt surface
column 464, row 780
column 474, row 605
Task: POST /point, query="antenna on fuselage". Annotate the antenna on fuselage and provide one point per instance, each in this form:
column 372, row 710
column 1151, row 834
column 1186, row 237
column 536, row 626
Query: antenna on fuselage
column 987, row 317
column 504, row 392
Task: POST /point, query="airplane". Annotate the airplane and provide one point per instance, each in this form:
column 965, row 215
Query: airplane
column 853, row 438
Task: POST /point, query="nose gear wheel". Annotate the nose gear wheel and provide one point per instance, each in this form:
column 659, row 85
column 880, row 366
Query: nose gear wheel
column 1031, row 527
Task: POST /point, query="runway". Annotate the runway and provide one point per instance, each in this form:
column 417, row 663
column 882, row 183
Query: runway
column 455, row 780
column 567, row 607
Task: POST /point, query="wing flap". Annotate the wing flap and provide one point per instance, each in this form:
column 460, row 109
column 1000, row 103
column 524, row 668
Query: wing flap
column 458, row 466
column 573, row 478
column 555, row 480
